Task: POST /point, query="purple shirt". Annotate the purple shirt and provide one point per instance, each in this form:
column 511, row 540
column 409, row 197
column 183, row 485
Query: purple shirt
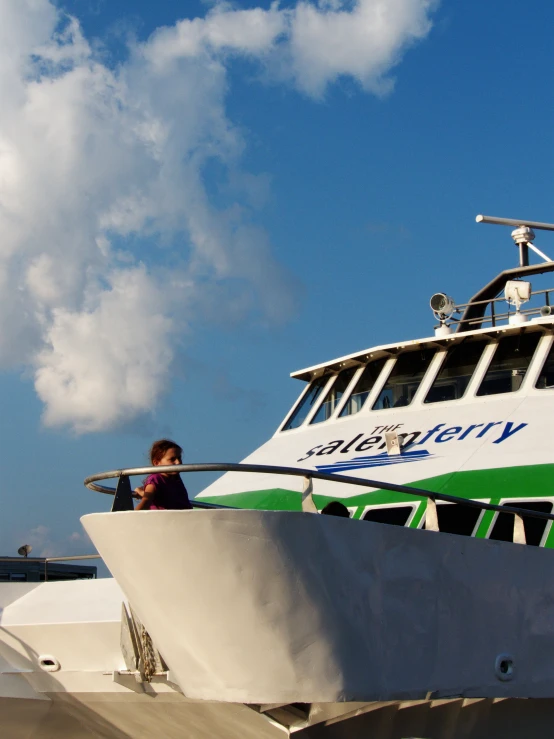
column 169, row 494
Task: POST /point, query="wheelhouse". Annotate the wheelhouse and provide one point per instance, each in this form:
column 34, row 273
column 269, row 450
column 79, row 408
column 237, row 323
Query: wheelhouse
column 460, row 369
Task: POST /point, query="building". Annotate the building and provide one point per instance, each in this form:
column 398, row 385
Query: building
column 39, row 569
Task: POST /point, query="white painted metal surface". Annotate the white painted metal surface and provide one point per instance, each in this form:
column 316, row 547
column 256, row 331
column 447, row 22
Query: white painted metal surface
column 273, row 607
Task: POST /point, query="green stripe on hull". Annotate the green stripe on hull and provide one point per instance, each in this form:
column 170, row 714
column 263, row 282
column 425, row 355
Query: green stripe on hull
column 493, row 484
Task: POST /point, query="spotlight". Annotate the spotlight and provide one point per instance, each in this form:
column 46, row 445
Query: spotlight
column 442, row 306
column 547, row 310
column 517, row 292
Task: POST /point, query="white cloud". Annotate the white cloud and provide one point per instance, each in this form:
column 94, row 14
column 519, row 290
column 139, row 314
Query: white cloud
column 99, row 166
column 45, row 544
column 97, row 369
column 311, row 44
column 363, row 40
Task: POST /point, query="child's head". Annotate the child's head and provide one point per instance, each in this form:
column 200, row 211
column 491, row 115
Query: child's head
column 336, row 508
column 164, row 452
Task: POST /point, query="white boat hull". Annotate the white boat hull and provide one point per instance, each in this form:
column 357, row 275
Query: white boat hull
column 92, row 695
column 280, row 607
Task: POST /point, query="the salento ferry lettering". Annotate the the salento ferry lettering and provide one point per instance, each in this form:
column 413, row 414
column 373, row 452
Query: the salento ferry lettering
column 440, row 434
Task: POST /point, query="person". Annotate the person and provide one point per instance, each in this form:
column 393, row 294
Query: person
column 163, row 490
column 336, row 508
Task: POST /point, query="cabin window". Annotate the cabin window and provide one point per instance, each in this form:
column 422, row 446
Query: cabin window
column 509, row 364
column 18, row 577
column 336, row 391
column 546, row 377
column 394, row 515
column 456, row 518
column 404, row 380
column 503, row 529
column 306, row 403
column 363, row 387
column 456, row 371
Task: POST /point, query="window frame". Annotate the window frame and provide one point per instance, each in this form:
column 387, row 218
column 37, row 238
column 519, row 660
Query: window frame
column 446, row 502
column 299, row 400
column 441, row 348
column 519, row 503
column 430, row 376
column 468, row 391
column 386, row 368
column 345, row 395
column 413, row 505
column 416, row 400
column 530, row 372
column 541, row 355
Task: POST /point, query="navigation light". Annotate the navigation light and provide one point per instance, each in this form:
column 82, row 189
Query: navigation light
column 517, row 292
column 442, row 306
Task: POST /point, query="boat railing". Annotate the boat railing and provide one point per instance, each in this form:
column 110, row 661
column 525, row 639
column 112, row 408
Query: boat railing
column 123, row 495
column 495, row 316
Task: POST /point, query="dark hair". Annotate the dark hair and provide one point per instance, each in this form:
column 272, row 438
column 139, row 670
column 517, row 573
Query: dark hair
column 334, row 508
column 160, row 447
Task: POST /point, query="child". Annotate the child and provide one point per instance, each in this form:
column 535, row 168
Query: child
column 336, row 508
column 164, row 490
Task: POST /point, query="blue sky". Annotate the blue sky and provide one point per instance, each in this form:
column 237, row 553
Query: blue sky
column 221, row 219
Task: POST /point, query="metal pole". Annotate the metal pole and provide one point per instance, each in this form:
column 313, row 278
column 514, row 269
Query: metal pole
column 515, row 222
column 523, row 255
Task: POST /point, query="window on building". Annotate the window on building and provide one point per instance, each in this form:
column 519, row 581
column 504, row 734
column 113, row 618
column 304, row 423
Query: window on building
column 456, row 518
column 404, row 380
column 306, row 404
column 363, row 387
column 546, row 377
column 456, row 371
column 509, row 363
column 394, row 515
column 503, row 529
column 336, row 391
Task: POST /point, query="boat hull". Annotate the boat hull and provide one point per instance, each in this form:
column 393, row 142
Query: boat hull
column 282, row 607
column 68, row 716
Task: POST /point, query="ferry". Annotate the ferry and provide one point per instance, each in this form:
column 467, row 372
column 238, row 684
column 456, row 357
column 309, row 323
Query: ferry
column 427, row 611
column 469, row 406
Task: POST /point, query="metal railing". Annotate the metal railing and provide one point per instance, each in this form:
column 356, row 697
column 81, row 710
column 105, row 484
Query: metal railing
column 494, row 317
column 123, row 497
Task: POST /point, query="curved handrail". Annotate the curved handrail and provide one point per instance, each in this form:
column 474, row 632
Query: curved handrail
column 90, row 483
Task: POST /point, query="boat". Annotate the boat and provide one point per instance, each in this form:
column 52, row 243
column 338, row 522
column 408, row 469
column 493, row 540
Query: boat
column 425, row 612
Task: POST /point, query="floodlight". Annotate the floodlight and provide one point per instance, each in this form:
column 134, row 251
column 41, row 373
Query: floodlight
column 547, row 310
column 517, row 292
column 25, row 550
column 442, row 305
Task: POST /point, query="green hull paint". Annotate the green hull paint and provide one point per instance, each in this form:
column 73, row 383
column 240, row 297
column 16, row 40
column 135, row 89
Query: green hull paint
column 492, row 485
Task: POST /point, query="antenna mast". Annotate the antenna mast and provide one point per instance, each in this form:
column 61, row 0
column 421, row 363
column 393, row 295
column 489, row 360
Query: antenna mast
column 523, row 235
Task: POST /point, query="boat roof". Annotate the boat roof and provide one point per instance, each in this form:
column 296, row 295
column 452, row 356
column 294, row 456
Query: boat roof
column 390, row 350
